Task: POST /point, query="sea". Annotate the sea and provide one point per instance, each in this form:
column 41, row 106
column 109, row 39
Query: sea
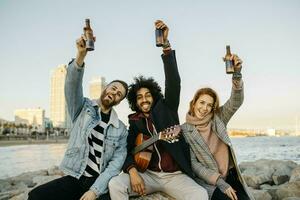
column 18, row 159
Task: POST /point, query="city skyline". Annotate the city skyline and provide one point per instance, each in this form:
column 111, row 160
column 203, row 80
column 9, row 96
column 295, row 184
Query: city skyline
column 37, row 36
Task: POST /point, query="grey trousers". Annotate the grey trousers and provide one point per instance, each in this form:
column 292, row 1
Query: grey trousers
column 177, row 185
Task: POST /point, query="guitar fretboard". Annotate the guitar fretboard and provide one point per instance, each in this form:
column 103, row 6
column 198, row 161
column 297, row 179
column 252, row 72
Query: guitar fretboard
column 145, row 144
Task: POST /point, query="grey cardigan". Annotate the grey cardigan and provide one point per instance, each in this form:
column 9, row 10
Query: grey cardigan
column 203, row 162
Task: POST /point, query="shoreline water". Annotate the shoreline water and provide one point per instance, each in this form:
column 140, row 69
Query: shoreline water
column 22, row 156
column 6, row 143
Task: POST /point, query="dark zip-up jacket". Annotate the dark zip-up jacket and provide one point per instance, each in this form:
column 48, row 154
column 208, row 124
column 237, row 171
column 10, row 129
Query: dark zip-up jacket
column 164, row 113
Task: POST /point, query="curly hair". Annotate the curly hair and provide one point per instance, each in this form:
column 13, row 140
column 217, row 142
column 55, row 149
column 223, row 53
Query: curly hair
column 142, row 82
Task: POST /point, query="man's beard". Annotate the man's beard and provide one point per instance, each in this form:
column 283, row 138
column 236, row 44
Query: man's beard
column 106, row 103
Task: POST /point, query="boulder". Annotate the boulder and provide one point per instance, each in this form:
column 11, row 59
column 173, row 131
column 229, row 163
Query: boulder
column 4, row 185
column 283, row 170
column 10, row 194
column 266, row 171
column 256, row 173
column 295, row 175
column 22, row 196
column 260, row 194
column 291, row 198
column 154, row 196
column 39, row 180
column 291, row 189
column 26, row 178
column 54, row 171
column 271, row 189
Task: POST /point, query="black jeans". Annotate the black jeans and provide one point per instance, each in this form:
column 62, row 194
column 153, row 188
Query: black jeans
column 64, row 188
column 233, row 181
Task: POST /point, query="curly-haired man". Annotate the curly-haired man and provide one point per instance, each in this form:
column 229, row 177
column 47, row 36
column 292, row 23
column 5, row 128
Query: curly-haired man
column 169, row 169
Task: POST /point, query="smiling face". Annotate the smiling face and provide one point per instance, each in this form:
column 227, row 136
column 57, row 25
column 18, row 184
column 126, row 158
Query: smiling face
column 144, row 100
column 203, row 106
column 112, row 95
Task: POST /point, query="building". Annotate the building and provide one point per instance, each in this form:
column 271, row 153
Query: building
column 96, row 86
column 271, row 132
column 58, row 108
column 31, row 116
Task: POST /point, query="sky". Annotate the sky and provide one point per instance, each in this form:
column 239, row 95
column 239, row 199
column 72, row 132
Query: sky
column 37, row 36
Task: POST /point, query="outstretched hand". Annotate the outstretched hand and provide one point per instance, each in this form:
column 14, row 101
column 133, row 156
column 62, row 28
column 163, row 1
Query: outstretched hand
column 237, row 63
column 159, row 24
column 81, row 49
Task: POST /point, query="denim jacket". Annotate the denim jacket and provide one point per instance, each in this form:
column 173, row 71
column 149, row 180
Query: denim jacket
column 84, row 115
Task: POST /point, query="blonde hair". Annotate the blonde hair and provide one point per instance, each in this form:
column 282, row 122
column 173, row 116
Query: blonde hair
column 203, row 91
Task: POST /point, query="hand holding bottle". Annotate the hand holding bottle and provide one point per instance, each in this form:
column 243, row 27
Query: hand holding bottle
column 237, row 63
column 161, row 32
column 84, row 43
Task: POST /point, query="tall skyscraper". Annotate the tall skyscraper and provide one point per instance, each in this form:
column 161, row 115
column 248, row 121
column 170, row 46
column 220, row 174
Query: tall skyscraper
column 58, row 109
column 96, row 86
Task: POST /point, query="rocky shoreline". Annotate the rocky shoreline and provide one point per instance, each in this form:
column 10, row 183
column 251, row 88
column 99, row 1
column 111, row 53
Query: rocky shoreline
column 267, row 179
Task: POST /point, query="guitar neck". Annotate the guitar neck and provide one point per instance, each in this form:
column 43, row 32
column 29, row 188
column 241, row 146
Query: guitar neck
column 146, row 144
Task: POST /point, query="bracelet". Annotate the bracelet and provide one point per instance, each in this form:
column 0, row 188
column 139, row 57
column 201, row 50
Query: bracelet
column 236, row 75
column 166, row 44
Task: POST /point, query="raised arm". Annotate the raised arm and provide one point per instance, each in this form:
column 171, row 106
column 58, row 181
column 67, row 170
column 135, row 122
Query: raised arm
column 172, row 78
column 73, row 84
column 237, row 92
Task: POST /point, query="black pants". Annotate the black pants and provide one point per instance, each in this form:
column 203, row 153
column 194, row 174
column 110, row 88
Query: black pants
column 233, row 181
column 64, row 188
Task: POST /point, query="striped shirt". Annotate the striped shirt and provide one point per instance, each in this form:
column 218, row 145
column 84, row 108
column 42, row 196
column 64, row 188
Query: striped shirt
column 95, row 140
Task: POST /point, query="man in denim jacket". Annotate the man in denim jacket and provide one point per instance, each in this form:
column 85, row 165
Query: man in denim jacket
column 97, row 146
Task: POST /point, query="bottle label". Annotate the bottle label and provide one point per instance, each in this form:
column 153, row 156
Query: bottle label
column 89, row 45
column 159, row 37
column 229, row 67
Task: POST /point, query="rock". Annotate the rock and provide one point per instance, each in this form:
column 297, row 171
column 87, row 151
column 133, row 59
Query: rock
column 4, row 185
column 278, row 180
column 154, row 196
column 22, row 196
column 295, row 175
column 10, row 194
column 256, row 173
column 39, row 180
column 291, row 189
column 260, row 194
column 266, row 171
column 54, row 171
column 26, row 178
column 283, row 170
column 271, row 189
column 19, row 186
column 291, row 198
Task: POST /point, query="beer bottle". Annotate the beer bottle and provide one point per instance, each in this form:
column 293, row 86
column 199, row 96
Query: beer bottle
column 228, row 61
column 159, row 37
column 89, row 36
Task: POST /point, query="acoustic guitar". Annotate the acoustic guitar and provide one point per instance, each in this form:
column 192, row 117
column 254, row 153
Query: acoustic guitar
column 142, row 153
